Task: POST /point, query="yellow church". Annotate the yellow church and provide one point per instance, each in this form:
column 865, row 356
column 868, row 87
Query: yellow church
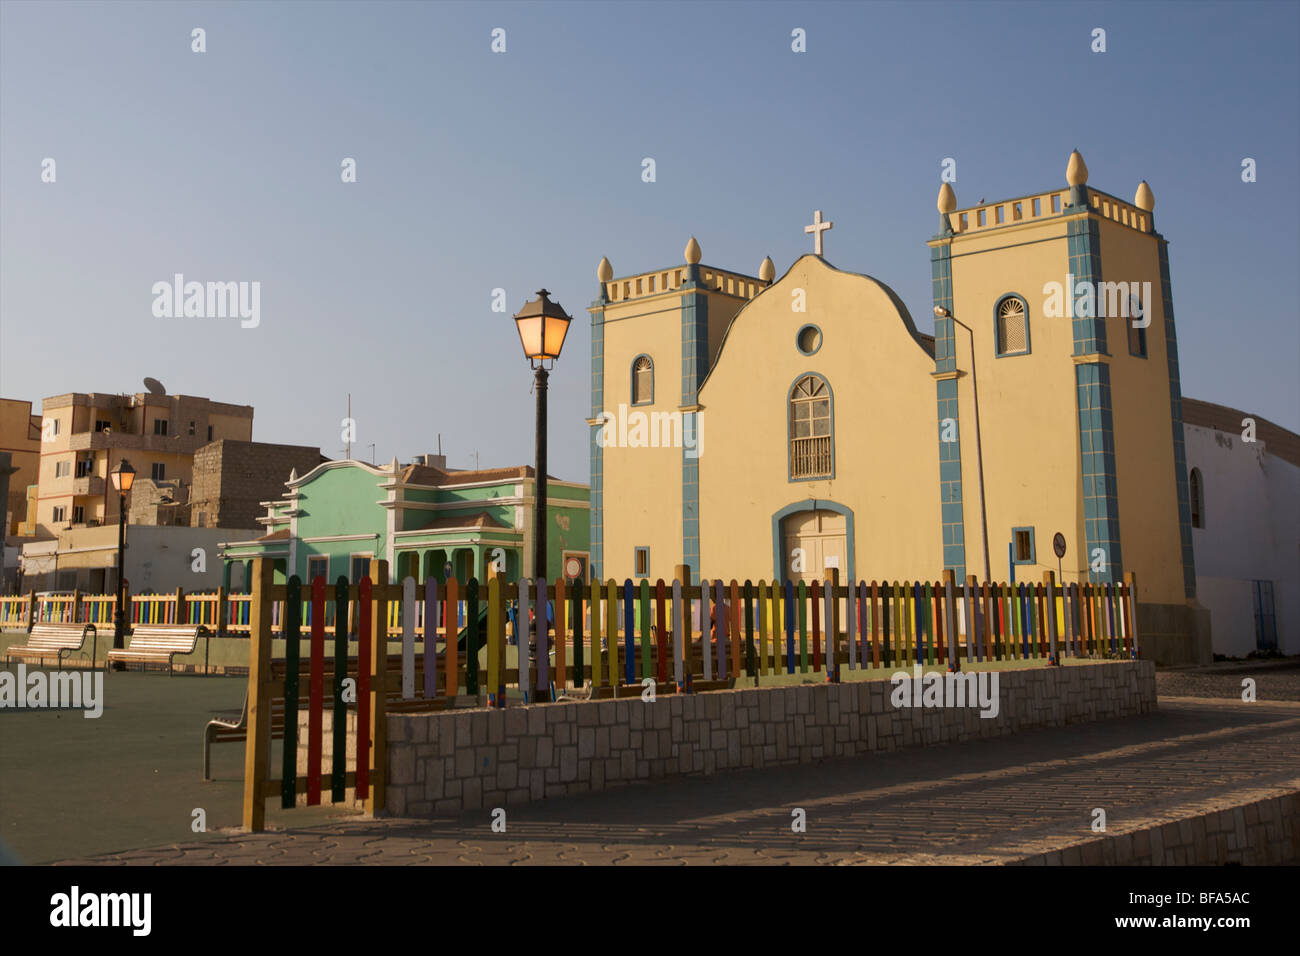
column 765, row 428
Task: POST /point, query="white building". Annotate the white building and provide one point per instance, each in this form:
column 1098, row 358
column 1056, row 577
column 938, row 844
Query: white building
column 1245, row 498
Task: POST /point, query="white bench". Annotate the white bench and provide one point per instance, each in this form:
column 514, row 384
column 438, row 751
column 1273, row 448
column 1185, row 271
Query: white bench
column 158, row 644
column 54, row 640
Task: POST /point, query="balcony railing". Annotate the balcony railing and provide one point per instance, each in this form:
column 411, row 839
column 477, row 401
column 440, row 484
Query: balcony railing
column 810, row 457
column 88, row 485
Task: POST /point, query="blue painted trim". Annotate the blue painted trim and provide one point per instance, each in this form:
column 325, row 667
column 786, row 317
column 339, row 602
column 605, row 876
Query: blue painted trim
column 1028, row 341
column 1083, row 243
column 695, row 361
column 951, row 506
column 1033, row 547
column 632, row 386
column 811, row 504
column 1092, row 398
column 1097, row 461
column 595, row 452
column 789, row 437
column 637, row 551
column 798, row 335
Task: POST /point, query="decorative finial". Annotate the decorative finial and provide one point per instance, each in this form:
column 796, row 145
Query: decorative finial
column 1144, row 199
column 604, row 271
column 1076, row 173
column 293, row 475
column 692, row 252
column 817, row 228
column 767, row 271
column 947, row 199
column 393, row 466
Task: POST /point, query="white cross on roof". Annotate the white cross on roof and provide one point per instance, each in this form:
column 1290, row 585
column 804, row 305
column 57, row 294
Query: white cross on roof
column 817, row 228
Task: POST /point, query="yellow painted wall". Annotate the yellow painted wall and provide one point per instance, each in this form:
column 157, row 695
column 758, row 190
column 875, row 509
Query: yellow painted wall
column 886, row 462
column 1144, row 445
column 24, row 450
column 1028, row 412
column 643, row 486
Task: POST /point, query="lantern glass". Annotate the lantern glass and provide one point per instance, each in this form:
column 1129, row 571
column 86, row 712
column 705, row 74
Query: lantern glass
column 123, row 476
column 530, row 335
column 543, row 326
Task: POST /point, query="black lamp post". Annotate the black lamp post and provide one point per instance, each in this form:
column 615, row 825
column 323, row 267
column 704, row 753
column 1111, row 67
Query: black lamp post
column 542, row 325
column 123, row 478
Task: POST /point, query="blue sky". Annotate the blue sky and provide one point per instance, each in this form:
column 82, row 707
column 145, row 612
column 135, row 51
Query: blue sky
column 479, row 170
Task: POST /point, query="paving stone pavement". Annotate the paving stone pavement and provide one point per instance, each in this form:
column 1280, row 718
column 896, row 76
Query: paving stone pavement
column 985, row 802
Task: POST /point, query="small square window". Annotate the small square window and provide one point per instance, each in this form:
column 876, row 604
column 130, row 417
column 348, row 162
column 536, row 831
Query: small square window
column 103, row 425
column 318, row 566
column 191, row 428
column 209, row 433
column 158, row 471
column 641, row 560
column 1022, row 541
column 78, row 514
column 160, row 426
column 60, row 514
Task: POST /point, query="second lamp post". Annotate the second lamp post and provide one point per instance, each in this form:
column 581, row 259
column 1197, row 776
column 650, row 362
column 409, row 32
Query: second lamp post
column 542, row 325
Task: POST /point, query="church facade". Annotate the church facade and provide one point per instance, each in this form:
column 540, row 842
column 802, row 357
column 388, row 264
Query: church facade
column 764, row 428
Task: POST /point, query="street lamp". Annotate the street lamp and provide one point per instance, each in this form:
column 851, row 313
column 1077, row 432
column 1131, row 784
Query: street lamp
column 123, row 478
column 542, row 325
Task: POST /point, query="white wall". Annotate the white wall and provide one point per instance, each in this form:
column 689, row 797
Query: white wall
column 1251, row 532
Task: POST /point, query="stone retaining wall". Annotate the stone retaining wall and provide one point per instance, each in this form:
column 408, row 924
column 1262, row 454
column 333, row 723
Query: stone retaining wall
column 444, row 763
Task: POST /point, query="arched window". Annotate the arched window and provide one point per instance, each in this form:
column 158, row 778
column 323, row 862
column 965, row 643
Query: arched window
column 1195, row 487
column 811, row 429
column 1011, row 319
column 643, row 380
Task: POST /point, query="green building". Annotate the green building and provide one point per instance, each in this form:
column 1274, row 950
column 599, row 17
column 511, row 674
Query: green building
column 420, row 517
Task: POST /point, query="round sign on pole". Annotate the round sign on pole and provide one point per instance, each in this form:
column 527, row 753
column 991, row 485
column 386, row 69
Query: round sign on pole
column 1058, row 544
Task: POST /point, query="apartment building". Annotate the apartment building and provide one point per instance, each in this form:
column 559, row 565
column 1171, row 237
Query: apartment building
column 83, row 436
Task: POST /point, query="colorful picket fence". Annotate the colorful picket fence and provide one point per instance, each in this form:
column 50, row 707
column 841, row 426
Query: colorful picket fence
column 612, row 637
column 13, row 611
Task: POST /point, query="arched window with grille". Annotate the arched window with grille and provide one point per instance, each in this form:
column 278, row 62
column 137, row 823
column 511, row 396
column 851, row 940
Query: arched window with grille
column 643, row 380
column 1197, row 491
column 812, row 432
column 1011, row 321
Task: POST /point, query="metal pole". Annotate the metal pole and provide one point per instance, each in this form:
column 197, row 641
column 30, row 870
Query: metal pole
column 119, row 618
column 539, row 521
column 979, row 442
column 539, row 528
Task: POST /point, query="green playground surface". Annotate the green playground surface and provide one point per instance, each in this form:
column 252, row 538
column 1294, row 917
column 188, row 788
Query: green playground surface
column 74, row 787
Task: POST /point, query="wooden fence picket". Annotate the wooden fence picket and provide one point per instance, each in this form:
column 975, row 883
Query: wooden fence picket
column 316, row 692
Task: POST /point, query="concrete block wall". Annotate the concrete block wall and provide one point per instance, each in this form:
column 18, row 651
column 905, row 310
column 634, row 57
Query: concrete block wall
column 447, row 762
column 231, row 477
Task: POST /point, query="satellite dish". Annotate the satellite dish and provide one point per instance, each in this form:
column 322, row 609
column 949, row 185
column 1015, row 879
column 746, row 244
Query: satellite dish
column 155, row 387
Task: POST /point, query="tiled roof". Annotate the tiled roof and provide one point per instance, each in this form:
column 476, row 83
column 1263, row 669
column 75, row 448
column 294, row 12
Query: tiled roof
column 427, row 475
column 480, row 520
